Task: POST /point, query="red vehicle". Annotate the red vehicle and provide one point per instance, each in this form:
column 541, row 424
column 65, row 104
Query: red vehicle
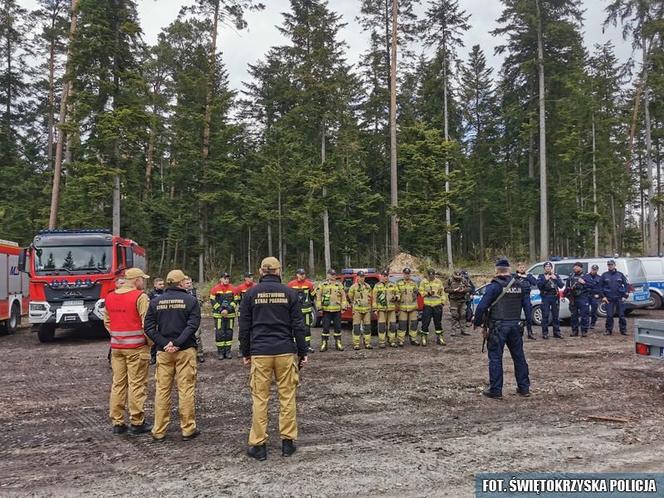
column 71, row 272
column 13, row 288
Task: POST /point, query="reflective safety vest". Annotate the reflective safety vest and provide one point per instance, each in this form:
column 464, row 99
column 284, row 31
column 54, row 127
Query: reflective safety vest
column 360, row 297
column 432, row 292
column 385, row 296
column 331, row 296
column 223, row 297
column 126, row 325
column 407, row 295
column 305, row 293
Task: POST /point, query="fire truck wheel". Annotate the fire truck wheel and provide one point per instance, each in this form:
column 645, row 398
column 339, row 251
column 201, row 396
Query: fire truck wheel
column 14, row 319
column 46, row 332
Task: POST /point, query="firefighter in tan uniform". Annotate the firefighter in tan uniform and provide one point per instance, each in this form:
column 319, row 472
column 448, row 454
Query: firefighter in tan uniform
column 124, row 315
column 171, row 322
column 331, row 300
column 272, row 342
column 359, row 296
column 408, row 292
column 431, row 289
column 385, row 297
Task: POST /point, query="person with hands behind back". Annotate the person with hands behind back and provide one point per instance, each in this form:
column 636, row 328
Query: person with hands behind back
column 171, row 322
column 273, row 344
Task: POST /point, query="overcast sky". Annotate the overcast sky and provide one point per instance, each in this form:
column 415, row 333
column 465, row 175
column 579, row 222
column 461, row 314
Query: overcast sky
column 241, row 48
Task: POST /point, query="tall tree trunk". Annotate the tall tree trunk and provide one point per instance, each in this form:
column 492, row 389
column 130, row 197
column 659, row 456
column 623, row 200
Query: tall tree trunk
column 446, row 124
column 312, row 258
column 544, row 208
column 66, row 85
column 596, row 230
column 206, row 141
column 394, row 192
column 116, row 205
column 269, row 238
column 482, row 248
column 51, row 95
column 652, row 246
column 249, row 251
column 326, row 214
column 532, row 245
column 280, row 235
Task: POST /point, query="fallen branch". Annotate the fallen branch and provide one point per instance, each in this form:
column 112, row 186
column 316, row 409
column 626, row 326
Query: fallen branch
column 602, row 418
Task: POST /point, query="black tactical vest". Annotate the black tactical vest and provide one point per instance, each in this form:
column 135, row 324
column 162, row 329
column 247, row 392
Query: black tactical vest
column 509, row 306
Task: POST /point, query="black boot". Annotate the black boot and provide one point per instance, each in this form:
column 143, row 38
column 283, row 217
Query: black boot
column 119, row 429
column 531, row 336
column 137, row 430
column 258, row 452
column 287, row 447
column 220, row 354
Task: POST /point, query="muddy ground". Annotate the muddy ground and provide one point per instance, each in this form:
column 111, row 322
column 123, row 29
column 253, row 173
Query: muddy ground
column 406, row 422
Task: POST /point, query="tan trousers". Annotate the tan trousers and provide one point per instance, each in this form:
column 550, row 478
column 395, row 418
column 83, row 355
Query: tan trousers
column 130, row 384
column 284, row 369
column 182, row 368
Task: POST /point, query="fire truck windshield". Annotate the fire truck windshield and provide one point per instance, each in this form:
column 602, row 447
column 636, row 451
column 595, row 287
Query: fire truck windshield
column 72, row 259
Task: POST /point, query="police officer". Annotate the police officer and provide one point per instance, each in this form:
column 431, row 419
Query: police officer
column 359, row 295
column 305, row 292
column 431, row 289
column 385, row 297
column 200, row 352
column 458, row 290
column 223, row 297
column 272, row 342
column 331, row 300
column 527, row 281
column 578, row 293
column 503, row 301
column 408, row 292
column 594, row 280
column 124, row 315
column 469, row 301
column 549, row 284
column 614, row 287
column 171, row 322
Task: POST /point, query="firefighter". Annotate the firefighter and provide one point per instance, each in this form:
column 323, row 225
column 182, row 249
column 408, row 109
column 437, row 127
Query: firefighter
column 305, row 293
column 244, row 287
column 124, row 315
column 171, row 322
column 331, row 300
column 200, row 352
column 431, row 289
column 408, row 293
column 223, row 297
column 458, row 290
column 385, row 296
column 119, row 282
column 359, row 296
column 272, row 344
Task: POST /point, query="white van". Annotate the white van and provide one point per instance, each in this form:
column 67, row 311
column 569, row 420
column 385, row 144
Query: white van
column 632, row 268
column 654, row 268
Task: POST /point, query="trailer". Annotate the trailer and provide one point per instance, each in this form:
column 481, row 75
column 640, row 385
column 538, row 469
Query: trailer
column 13, row 288
column 649, row 338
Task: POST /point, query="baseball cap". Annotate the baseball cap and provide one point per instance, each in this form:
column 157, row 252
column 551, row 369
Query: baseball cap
column 502, row 262
column 331, row 271
column 133, row 273
column 386, row 273
column 300, row 271
column 595, row 267
column 579, row 264
column 548, row 263
column 431, row 271
column 611, row 262
column 225, row 275
column 248, row 274
column 270, row 263
column 175, row 277
column 406, row 271
column 360, row 273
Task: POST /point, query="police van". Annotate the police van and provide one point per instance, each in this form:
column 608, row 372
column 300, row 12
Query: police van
column 654, row 268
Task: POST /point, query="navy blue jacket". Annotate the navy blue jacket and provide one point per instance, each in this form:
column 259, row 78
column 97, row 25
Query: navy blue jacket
column 493, row 290
column 173, row 316
column 614, row 285
column 271, row 320
column 594, row 284
column 580, row 290
column 527, row 282
column 542, row 283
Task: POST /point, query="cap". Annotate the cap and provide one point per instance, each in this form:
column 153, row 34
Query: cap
column 270, row 263
column 611, row 262
column 225, row 275
column 248, row 274
column 457, row 273
column 502, row 262
column 175, row 276
column 331, row 271
column 548, row 263
column 431, row 271
column 133, row 273
column 595, row 267
column 579, row 264
column 406, row 271
column 361, row 273
column 385, row 273
column 300, row 271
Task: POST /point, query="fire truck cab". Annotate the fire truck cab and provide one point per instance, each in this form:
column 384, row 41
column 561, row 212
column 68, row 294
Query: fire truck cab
column 71, row 272
column 13, row 288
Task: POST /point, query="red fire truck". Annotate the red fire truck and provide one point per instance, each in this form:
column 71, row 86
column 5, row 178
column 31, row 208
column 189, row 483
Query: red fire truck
column 13, row 288
column 71, row 272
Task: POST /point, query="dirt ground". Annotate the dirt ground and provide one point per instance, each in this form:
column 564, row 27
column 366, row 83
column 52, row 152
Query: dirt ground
column 404, row 422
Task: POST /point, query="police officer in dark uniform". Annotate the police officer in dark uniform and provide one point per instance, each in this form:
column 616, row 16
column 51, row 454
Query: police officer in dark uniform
column 594, row 279
column 549, row 284
column 527, row 281
column 500, row 309
column 614, row 291
column 578, row 293
column 273, row 343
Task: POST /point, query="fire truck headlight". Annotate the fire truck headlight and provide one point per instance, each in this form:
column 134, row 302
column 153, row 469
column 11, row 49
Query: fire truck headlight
column 37, row 307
